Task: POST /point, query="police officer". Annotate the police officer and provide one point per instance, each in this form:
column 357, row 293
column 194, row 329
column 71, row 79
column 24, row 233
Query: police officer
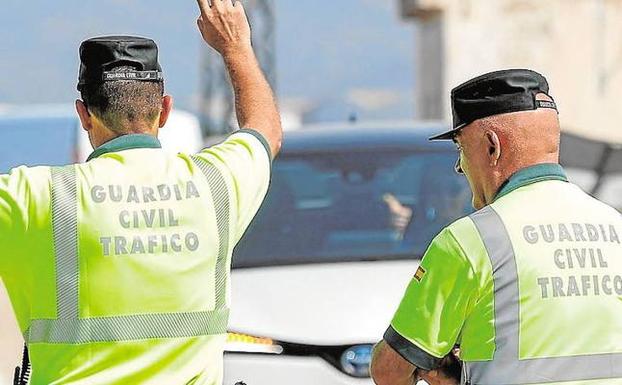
column 529, row 286
column 118, row 268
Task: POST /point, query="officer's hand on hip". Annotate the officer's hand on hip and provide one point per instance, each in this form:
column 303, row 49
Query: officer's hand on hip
column 224, row 26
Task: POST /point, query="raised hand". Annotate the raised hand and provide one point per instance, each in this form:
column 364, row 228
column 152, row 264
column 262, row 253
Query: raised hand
column 224, row 26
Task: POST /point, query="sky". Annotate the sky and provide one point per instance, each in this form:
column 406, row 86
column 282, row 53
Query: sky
column 337, row 58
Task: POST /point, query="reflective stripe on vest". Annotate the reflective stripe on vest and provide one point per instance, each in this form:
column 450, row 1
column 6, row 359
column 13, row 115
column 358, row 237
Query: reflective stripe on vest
column 220, row 196
column 506, row 367
column 69, row 328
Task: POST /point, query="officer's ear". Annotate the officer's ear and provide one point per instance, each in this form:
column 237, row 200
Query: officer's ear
column 167, row 107
column 493, row 145
column 84, row 115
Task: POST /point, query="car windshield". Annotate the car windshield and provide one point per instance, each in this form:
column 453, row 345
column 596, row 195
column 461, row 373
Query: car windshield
column 36, row 141
column 353, row 206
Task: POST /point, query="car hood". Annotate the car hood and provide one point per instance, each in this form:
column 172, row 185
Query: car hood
column 323, row 304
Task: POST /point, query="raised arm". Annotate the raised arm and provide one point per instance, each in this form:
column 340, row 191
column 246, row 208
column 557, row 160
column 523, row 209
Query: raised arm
column 224, row 26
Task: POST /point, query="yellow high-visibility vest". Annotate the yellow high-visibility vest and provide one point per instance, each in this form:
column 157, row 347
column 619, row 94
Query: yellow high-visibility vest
column 529, row 286
column 118, row 268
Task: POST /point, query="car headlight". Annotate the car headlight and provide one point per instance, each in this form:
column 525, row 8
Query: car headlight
column 245, row 343
column 352, row 360
column 356, row 359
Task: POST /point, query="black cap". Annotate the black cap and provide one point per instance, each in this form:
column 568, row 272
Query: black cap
column 496, row 93
column 99, row 55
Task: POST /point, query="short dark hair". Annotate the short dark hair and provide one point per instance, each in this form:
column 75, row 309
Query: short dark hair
column 120, row 102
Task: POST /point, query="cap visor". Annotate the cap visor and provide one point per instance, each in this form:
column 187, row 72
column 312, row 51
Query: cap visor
column 445, row 135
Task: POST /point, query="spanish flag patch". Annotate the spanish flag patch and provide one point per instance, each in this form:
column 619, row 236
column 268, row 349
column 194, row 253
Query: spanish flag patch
column 419, row 273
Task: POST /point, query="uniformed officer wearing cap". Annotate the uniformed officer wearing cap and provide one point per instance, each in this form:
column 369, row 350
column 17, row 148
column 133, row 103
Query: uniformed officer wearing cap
column 118, row 268
column 528, row 286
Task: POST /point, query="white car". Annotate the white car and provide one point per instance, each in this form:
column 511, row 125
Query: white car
column 320, row 272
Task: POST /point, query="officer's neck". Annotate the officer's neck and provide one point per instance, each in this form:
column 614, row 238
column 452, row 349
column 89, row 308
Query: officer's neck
column 100, row 134
column 502, row 175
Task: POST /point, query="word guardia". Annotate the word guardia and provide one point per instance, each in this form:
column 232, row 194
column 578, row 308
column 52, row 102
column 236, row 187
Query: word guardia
column 147, row 217
column 573, row 232
column 144, row 194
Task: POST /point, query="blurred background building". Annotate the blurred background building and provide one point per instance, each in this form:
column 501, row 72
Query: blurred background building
column 577, row 45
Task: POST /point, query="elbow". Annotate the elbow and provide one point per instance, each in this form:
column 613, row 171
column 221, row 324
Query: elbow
column 388, row 368
column 278, row 139
column 375, row 373
column 277, row 146
column 379, row 372
column 380, row 376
